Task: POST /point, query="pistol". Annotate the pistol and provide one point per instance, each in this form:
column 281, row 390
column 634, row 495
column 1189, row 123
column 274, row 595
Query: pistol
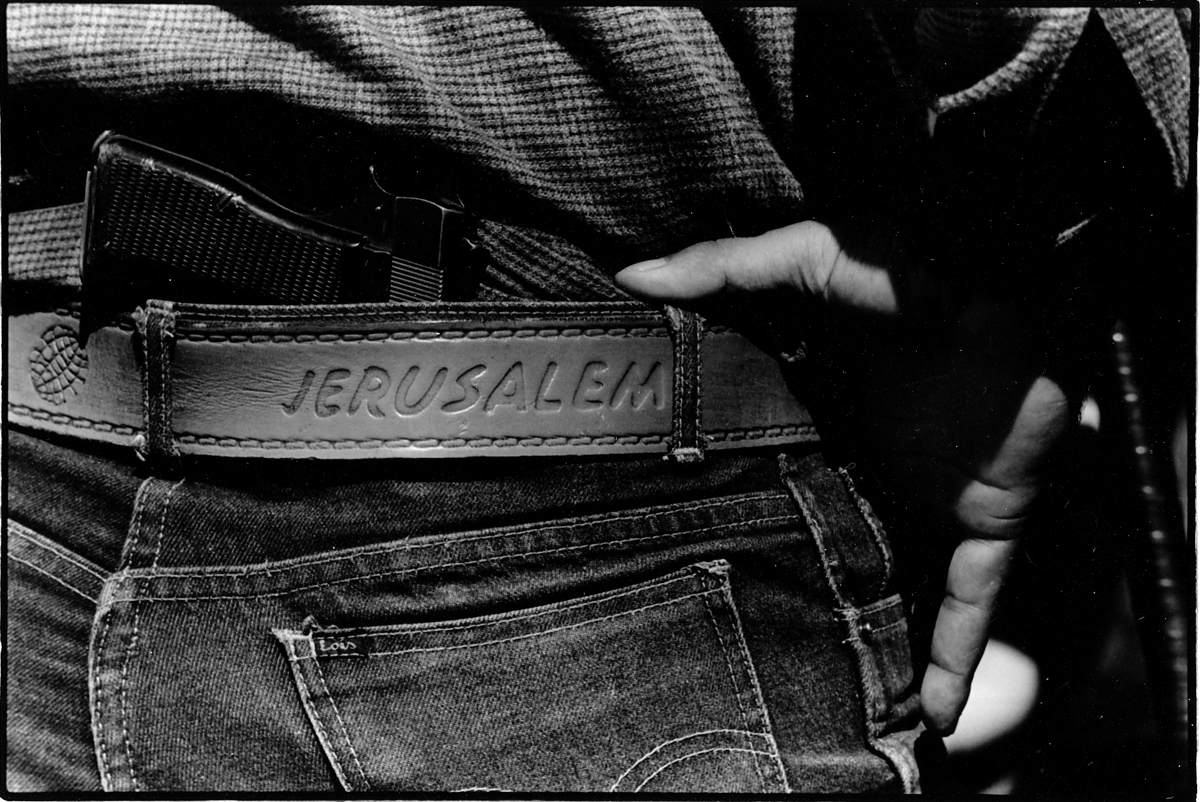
column 162, row 225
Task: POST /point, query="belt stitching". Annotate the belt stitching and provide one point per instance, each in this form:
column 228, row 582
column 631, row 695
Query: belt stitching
column 724, row 435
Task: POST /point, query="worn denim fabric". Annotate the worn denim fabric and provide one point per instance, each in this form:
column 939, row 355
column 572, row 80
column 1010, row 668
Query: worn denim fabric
column 407, row 626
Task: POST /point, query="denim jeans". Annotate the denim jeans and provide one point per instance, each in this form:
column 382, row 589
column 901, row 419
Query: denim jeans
column 528, row 624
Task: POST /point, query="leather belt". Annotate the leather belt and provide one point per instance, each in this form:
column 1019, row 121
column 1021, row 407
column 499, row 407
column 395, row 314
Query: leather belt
column 397, row 380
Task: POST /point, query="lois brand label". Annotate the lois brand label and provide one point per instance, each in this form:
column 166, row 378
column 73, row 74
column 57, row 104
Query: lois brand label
column 358, row 646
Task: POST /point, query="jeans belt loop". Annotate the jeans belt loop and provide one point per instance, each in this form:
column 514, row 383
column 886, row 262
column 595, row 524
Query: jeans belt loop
column 687, row 433
column 156, row 331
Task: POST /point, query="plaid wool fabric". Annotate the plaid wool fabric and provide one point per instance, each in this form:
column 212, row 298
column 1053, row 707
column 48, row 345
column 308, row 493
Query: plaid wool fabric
column 591, row 137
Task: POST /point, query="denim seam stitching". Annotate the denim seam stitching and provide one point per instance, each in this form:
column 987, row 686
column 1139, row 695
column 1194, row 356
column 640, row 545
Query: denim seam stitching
column 886, row 603
column 872, row 520
column 755, row 687
column 345, row 733
column 527, row 636
column 665, row 744
column 427, row 568
column 322, row 731
column 98, row 726
column 669, row 763
column 877, row 630
column 816, row 526
column 133, row 641
column 137, row 537
column 398, row 630
column 737, row 693
column 135, row 526
column 872, row 687
column 54, row 577
column 36, row 541
column 903, row 760
column 595, row 521
column 869, row 683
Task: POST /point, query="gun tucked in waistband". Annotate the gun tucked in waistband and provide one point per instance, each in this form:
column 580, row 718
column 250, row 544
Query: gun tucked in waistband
column 162, row 225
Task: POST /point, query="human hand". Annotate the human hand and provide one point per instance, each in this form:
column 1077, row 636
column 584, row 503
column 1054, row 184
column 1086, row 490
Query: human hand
column 958, row 422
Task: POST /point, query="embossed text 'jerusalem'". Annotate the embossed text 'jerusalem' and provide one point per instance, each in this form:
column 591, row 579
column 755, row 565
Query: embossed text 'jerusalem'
column 408, row 391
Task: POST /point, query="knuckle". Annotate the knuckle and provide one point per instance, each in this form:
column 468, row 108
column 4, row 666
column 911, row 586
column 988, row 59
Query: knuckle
column 965, row 607
column 995, row 512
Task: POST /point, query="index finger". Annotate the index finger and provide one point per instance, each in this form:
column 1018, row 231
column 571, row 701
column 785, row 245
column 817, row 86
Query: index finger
column 977, row 572
column 804, row 257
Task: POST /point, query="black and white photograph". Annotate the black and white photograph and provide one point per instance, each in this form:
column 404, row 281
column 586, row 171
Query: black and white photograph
column 541, row 401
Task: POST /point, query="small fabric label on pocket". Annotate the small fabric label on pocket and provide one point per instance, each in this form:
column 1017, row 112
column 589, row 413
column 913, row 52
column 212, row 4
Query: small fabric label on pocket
column 359, row 646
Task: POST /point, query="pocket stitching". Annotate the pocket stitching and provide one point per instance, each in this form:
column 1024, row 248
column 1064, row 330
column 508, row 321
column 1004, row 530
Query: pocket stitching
column 669, row 763
column 753, row 686
column 737, row 693
column 53, row 577
column 40, row 542
column 711, row 580
column 322, row 732
column 527, row 636
column 505, row 618
column 665, row 744
column 342, row 727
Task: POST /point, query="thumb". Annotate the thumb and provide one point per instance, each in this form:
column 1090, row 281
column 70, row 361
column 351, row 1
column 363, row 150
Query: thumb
column 803, row 258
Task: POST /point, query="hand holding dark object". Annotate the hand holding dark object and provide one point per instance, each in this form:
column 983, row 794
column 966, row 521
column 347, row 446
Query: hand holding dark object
column 959, row 421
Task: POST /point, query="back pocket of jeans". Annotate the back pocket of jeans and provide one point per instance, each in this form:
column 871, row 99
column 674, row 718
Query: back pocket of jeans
column 649, row 687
